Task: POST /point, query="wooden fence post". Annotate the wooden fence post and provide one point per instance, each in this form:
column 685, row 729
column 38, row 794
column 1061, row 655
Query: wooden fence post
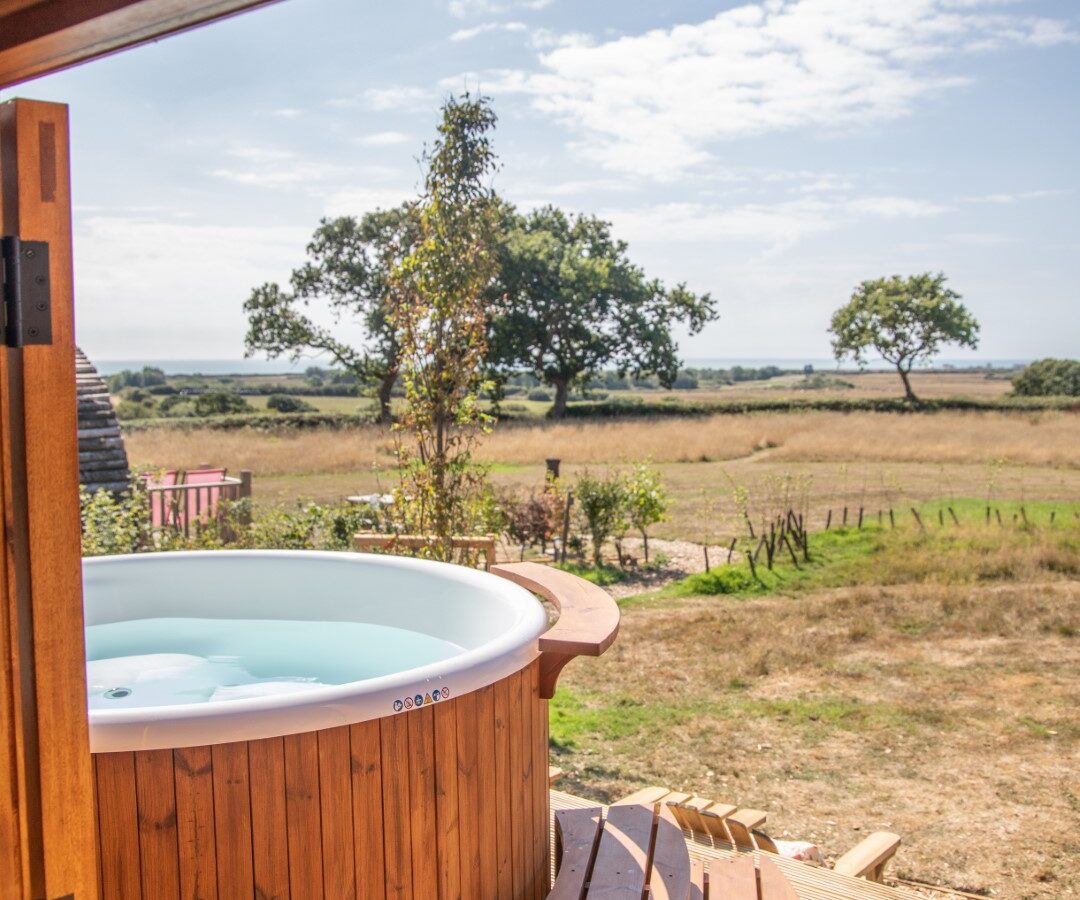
column 245, row 494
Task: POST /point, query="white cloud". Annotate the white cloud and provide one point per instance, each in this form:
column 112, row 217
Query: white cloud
column 287, row 113
column 778, row 226
column 152, row 301
column 463, row 8
column 357, row 201
column 399, row 97
column 896, row 207
column 658, row 102
column 1018, row 196
column 467, row 34
column 384, row 138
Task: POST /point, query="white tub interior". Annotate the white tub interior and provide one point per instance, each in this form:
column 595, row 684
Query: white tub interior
column 208, row 647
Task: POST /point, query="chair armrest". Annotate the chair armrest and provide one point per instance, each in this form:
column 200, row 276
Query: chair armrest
column 868, row 858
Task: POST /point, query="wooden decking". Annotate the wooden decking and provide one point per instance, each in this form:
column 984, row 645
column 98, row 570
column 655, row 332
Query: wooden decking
column 810, row 882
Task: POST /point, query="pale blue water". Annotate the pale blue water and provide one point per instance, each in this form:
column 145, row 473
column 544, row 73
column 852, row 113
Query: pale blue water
column 162, row 662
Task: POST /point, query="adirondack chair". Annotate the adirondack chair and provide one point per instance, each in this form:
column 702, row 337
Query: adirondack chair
column 741, row 829
column 638, row 850
column 201, row 504
column 163, row 504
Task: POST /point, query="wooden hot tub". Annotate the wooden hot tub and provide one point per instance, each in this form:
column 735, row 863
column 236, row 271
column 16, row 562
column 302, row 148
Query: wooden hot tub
column 443, row 797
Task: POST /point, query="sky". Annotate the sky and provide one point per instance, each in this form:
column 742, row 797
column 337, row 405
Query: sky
column 773, row 154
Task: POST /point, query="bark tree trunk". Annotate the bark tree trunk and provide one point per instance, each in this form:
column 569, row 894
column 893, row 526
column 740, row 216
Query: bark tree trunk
column 386, row 386
column 558, row 408
column 909, row 394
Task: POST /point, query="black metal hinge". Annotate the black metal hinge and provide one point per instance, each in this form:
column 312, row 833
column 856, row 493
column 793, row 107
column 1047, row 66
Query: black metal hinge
column 27, row 315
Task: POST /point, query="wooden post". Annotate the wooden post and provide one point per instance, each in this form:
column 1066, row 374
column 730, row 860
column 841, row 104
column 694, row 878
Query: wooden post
column 844, row 523
column 706, row 549
column 828, row 520
column 918, row 518
column 552, row 467
column 245, row 494
column 892, row 518
column 952, row 513
column 566, row 525
column 731, row 549
column 47, row 829
column 860, row 517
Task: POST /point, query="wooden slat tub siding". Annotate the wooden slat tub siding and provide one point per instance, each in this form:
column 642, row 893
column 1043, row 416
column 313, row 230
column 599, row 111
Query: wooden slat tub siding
column 469, row 799
column 367, row 800
column 542, row 866
column 232, row 821
column 195, row 823
column 397, row 837
column 155, row 794
column 302, row 815
column 518, row 827
column 503, row 806
column 485, row 758
column 335, row 803
column 269, row 824
column 118, row 823
column 525, row 787
column 443, row 801
column 421, row 764
column 446, row 800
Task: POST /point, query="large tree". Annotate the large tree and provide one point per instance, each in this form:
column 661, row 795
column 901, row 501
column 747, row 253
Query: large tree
column 903, row 320
column 569, row 303
column 346, row 275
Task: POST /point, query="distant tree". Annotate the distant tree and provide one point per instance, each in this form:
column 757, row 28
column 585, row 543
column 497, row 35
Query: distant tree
column 438, row 294
column 347, row 272
column 568, row 303
column 1048, row 378
column 904, row 320
column 220, row 403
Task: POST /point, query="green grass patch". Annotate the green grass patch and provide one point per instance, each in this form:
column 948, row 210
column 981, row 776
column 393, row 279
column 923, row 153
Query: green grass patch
column 579, row 718
column 601, row 575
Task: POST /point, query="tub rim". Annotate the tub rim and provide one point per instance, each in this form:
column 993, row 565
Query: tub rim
column 198, row 724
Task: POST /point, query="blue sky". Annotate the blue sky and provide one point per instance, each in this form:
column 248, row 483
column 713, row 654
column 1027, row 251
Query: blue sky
column 772, row 153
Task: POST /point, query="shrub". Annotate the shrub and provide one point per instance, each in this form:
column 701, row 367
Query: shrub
column 602, row 506
column 114, row 524
column 283, row 403
column 540, row 395
column 1049, row 378
column 220, row 403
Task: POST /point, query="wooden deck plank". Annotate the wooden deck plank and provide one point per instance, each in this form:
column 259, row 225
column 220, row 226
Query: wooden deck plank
column 155, row 793
column 195, row 823
column 367, row 800
column 269, row 824
column 619, row 872
column 732, row 879
column 669, row 878
column 645, row 795
column 303, row 814
column 576, row 834
column 397, row 838
column 232, row 821
column 118, row 817
column 447, row 820
column 774, row 886
column 336, row 814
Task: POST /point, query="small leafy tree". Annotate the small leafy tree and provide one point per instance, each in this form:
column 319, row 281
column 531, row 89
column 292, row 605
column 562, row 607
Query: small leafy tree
column 569, row 303
column 439, row 312
column 601, row 503
column 646, row 500
column 904, row 320
column 348, row 272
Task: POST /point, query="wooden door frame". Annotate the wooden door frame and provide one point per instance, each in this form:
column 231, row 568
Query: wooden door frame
column 47, row 832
